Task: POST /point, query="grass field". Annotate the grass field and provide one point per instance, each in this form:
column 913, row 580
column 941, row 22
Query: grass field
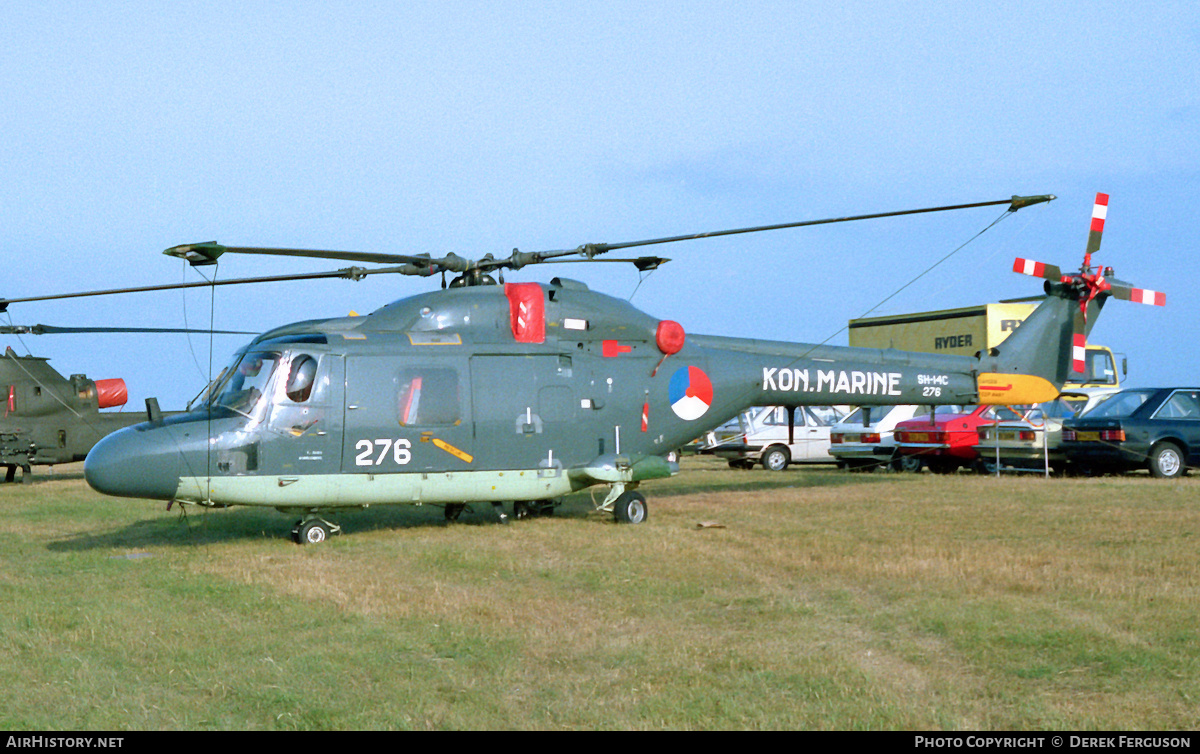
column 824, row 600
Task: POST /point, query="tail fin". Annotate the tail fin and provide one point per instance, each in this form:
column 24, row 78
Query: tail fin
column 1045, row 345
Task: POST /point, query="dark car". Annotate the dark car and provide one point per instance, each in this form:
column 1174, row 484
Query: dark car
column 1151, row 428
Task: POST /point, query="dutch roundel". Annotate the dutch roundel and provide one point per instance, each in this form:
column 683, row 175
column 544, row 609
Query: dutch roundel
column 690, row 393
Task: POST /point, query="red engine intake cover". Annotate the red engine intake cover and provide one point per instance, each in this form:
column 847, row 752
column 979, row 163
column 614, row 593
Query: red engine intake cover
column 111, row 393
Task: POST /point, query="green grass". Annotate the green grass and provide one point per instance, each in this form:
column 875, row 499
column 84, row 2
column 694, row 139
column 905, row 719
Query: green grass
column 826, row 600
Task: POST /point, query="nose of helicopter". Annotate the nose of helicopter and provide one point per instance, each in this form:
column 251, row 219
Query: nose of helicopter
column 135, row 462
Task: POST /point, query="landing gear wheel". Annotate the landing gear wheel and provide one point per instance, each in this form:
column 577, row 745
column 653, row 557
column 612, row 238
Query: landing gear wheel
column 523, row 510
column 630, row 508
column 1166, row 461
column 776, row 458
column 453, row 510
column 312, row 532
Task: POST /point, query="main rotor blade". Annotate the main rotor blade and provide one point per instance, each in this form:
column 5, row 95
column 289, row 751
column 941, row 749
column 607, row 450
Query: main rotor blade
column 52, row 330
column 642, row 263
column 207, row 253
column 1015, row 203
column 351, row 273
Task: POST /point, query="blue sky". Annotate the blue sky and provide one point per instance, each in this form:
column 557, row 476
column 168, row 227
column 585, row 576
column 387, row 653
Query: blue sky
column 129, row 127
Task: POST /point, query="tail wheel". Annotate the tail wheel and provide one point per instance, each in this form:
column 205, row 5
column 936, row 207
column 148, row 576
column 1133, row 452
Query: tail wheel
column 776, row 458
column 1166, row 461
column 630, row 508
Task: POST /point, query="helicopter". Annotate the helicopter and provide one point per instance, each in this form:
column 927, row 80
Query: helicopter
column 493, row 392
column 48, row 419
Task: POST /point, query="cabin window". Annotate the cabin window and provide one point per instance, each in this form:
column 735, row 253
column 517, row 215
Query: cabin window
column 428, row 396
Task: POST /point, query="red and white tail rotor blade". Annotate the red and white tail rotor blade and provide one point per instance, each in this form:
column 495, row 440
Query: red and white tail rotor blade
column 1079, row 344
column 1138, row 295
column 1099, row 213
column 1037, row 269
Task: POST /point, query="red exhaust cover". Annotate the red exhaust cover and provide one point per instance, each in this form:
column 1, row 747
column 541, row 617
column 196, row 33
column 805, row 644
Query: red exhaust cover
column 111, row 393
column 670, row 336
column 527, row 307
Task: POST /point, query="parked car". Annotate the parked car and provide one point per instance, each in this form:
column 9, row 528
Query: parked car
column 765, row 438
column 1032, row 443
column 946, row 440
column 1151, row 428
column 866, row 448
column 729, row 433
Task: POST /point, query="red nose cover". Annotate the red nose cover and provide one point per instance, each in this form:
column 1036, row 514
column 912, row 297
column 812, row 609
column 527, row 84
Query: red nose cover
column 111, row 393
column 527, row 307
column 669, row 337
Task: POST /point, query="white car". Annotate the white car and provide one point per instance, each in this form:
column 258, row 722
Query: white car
column 873, row 446
column 768, row 439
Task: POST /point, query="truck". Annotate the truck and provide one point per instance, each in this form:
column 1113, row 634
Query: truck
column 971, row 329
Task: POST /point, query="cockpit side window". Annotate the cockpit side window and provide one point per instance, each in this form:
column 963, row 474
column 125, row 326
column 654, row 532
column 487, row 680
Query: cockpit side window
column 301, row 376
column 248, row 382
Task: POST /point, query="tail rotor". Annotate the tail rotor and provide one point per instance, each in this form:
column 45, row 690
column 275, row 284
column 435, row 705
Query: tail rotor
column 1089, row 283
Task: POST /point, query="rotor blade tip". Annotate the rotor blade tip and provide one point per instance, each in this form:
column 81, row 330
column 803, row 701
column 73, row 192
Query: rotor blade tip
column 197, row 253
column 1019, row 202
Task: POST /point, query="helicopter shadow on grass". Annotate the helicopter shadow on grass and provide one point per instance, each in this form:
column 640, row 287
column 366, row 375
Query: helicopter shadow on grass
column 203, row 527
column 213, row 527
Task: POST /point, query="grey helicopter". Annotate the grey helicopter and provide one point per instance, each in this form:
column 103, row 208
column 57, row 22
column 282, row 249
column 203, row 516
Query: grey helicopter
column 521, row 393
